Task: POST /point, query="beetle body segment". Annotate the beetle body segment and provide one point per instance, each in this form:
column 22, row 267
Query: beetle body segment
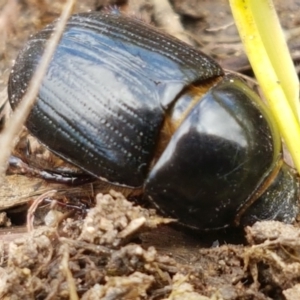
column 228, row 140
column 130, row 105
column 278, row 202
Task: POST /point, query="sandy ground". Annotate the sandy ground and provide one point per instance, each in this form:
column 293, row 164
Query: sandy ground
column 117, row 249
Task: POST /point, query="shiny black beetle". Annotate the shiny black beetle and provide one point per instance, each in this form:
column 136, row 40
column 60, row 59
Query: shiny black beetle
column 138, row 108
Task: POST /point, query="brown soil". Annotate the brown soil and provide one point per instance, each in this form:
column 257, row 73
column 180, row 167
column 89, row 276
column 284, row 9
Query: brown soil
column 119, row 250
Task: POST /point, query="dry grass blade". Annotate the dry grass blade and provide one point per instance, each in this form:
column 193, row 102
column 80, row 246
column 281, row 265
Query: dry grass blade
column 15, row 123
column 33, row 207
column 68, row 273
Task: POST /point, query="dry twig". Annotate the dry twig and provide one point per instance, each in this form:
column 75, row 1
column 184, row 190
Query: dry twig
column 15, row 123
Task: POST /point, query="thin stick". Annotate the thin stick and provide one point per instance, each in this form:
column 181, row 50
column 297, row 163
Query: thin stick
column 68, row 274
column 15, row 123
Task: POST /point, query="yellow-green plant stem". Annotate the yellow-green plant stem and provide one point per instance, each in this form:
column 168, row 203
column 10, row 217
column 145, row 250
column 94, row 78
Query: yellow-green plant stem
column 273, row 39
column 268, row 54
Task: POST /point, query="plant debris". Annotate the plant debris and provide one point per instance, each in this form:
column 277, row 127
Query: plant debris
column 91, row 243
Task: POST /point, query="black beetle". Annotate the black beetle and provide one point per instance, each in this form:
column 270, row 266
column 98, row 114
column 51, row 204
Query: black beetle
column 138, row 108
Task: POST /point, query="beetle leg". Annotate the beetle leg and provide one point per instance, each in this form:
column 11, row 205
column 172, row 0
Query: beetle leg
column 18, row 166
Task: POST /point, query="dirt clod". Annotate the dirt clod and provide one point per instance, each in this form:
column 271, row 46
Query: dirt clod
column 107, row 247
